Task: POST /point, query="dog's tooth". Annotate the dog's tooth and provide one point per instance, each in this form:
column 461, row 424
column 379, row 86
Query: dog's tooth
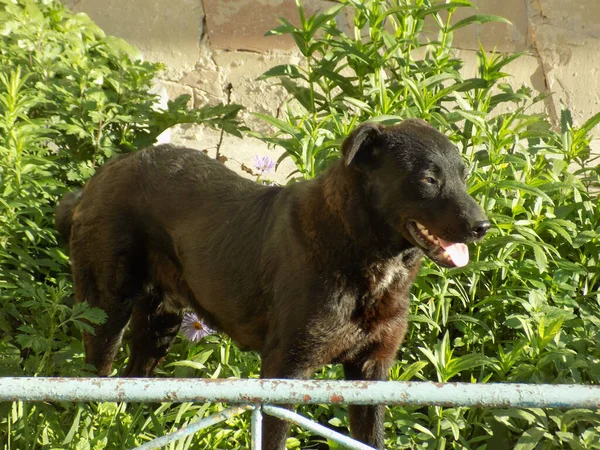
column 419, row 226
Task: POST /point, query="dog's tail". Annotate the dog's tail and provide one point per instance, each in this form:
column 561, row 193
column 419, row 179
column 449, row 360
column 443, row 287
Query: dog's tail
column 64, row 213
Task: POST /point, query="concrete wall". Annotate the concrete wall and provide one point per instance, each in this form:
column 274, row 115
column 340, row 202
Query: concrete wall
column 208, row 44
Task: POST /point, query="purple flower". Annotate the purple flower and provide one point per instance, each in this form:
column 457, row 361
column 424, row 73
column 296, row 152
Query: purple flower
column 193, row 328
column 263, row 164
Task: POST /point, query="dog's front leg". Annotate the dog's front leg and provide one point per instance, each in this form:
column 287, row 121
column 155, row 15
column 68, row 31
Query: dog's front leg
column 366, row 422
column 277, row 364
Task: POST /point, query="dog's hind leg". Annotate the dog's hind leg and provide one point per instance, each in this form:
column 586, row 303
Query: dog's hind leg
column 101, row 346
column 109, row 269
column 154, row 327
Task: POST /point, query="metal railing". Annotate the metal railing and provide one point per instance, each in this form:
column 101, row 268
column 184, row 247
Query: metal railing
column 258, row 396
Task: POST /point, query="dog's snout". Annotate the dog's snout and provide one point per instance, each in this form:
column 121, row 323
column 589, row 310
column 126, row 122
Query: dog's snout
column 481, row 228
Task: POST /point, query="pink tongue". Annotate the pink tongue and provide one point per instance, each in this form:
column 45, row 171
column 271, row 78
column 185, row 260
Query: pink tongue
column 459, row 253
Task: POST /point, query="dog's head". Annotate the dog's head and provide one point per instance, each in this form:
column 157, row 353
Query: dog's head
column 414, row 178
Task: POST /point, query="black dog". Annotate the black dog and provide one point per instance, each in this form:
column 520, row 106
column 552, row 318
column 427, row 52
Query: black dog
column 317, row 272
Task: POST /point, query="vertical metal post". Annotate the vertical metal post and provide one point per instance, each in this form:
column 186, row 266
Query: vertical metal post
column 257, row 427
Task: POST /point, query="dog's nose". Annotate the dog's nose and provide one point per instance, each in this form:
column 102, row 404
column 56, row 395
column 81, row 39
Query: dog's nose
column 481, row 228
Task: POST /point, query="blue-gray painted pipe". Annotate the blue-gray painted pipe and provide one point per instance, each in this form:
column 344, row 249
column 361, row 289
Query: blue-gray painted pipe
column 315, row 428
column 251, row 391
column 256, row 428
column 194, row 427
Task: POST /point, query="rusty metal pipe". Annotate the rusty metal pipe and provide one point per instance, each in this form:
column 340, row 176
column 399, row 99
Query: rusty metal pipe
column 253, row 391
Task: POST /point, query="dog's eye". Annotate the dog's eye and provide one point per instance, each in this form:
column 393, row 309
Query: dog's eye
column 430, row 180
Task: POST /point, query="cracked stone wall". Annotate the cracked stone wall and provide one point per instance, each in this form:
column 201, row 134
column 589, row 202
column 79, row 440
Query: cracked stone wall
column 209, row 44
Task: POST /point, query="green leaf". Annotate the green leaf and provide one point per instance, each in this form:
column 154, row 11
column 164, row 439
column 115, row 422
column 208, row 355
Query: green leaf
column 409, row 372
column 344, row 83
column 529, row 439
column 277, row 123
column 505, row 60
column 320, row 19
column 472, row 116
column 187, row 363
column 559, row 226
column 202, row 357
column 591, row 123
column 83, row 444
column 466, row 363
column 284, row 70
column 520, row 414
column 519, row 186
column 540, row 258
column 285, row 28
column 444, row 6
column 419, row 318
column 477, row 18
column 584, row 237
column 566, row 120
column 335, row 421
column 361, row 105
column 303, row 95
column 74, row 427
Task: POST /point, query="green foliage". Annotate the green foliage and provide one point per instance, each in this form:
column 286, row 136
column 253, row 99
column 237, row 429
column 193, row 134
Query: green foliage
column 374, row 72
column 527, row 308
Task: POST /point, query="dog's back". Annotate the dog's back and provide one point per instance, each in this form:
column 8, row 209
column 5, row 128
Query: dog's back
column 149, row 224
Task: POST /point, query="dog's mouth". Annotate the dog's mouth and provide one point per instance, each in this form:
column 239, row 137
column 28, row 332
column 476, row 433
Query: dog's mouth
column 449, row 254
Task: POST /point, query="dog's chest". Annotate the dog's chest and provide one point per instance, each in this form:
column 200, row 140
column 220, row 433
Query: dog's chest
column 383, row 295
column 369, row 309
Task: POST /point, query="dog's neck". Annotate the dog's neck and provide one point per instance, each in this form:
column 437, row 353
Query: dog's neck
column 337, row 208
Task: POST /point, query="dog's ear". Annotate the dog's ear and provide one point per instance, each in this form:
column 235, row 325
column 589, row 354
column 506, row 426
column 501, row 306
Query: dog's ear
column 359, row 146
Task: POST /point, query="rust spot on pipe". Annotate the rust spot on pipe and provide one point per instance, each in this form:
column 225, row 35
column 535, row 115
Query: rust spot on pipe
column 336, row 398
column 247, row 399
